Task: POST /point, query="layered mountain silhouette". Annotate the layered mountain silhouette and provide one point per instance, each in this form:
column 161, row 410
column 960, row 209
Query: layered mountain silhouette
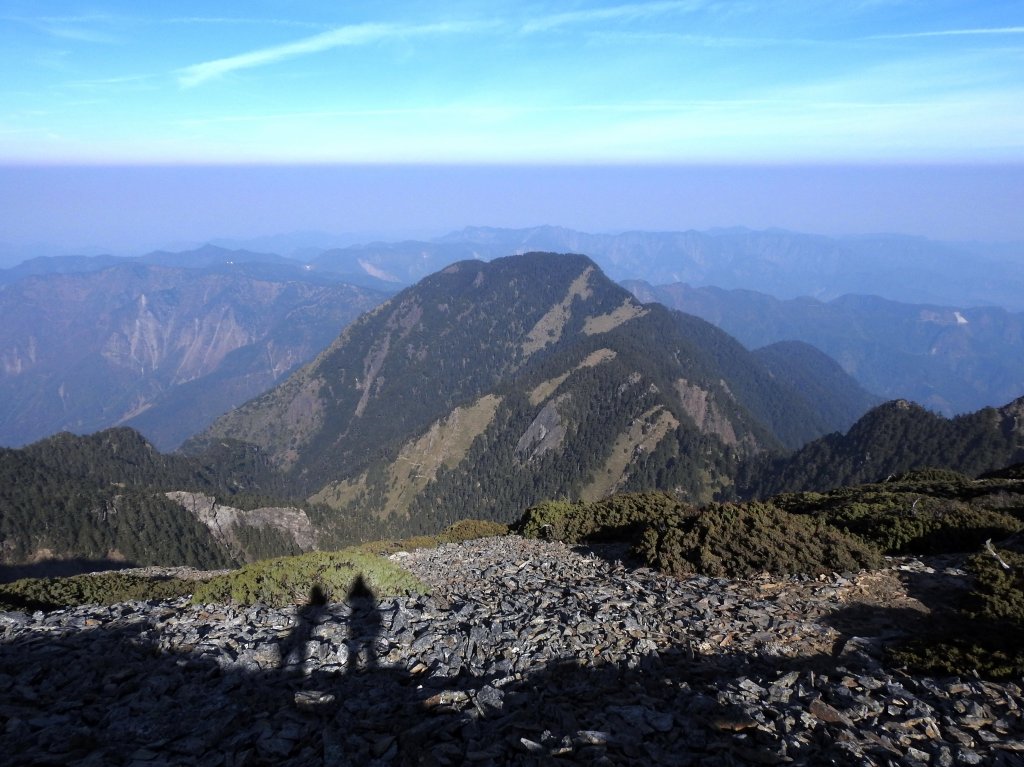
column 947, row 358
column 782, row 263
column 57, row 372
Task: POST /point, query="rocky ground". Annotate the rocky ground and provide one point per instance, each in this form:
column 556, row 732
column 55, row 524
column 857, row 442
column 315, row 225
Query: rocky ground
column 527, row 652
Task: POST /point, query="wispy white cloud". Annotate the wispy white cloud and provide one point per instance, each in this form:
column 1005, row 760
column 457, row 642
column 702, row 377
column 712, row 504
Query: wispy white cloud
column 89, row 28
column 703, row 41
column 80, row 34
column 352, row 35
column 82, row 18
column 111, row 19
column 613, row 13
column 250, row 20
column 952, row 33
column 118, row 84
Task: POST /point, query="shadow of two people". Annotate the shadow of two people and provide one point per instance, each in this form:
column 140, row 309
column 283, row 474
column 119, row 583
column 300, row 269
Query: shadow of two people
column 364, row 626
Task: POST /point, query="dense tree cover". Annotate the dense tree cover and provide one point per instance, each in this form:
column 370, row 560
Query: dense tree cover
column 262, row 542
column 102, row 496
column 447, row 340
column 502, row 328
column 465, row 333
column 893, row 438
column 819, row 380
column 595, row 405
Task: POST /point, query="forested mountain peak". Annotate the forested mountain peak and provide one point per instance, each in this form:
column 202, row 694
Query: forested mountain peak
column 490, row 385
column 454, row 335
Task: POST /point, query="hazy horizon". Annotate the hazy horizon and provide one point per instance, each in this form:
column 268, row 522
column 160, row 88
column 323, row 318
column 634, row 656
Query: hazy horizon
column 129, row 210
column 126, row 127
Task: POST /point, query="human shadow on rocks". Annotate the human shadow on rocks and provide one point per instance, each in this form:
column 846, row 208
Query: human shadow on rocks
column 364, row 626
column 294, row 648
column 113, row 696
column 107, row 694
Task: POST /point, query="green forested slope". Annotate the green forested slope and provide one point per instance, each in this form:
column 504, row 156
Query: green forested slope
column 101, row 497
column 895, row 437
column 489, row 386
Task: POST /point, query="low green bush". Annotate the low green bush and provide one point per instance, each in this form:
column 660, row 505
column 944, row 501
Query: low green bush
column 931, row 527
column 291, row 580
column 914, row 519
column 931, row 474
column 987, row 634
column 621, row 517
column 101, row 588
column 740, row 540
column 733, row 540
column 466, row 530
column 280, row 581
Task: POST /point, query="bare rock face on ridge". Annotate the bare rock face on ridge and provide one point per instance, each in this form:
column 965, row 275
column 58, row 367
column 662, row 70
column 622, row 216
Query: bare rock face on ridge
column 225, row 522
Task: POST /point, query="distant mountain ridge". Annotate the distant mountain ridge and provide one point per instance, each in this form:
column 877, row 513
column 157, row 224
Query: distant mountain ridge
column 164, row 348
column 951, row 366
column 947, row 358
column 781, row 263
column 785, row 264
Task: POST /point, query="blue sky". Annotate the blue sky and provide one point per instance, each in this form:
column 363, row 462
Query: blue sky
column 127, row 125
column 466, row 82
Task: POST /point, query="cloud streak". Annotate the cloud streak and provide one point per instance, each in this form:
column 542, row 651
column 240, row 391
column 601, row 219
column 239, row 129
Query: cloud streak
column 952, row 33
column 352, row 35
column 249, row 20
column 80, row 34
column 614, row 13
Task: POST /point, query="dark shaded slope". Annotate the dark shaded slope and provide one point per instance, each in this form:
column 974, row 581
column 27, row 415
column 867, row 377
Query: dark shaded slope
column 818, row 379
column 80, row 497
column 101, row 497
column 896, row 437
